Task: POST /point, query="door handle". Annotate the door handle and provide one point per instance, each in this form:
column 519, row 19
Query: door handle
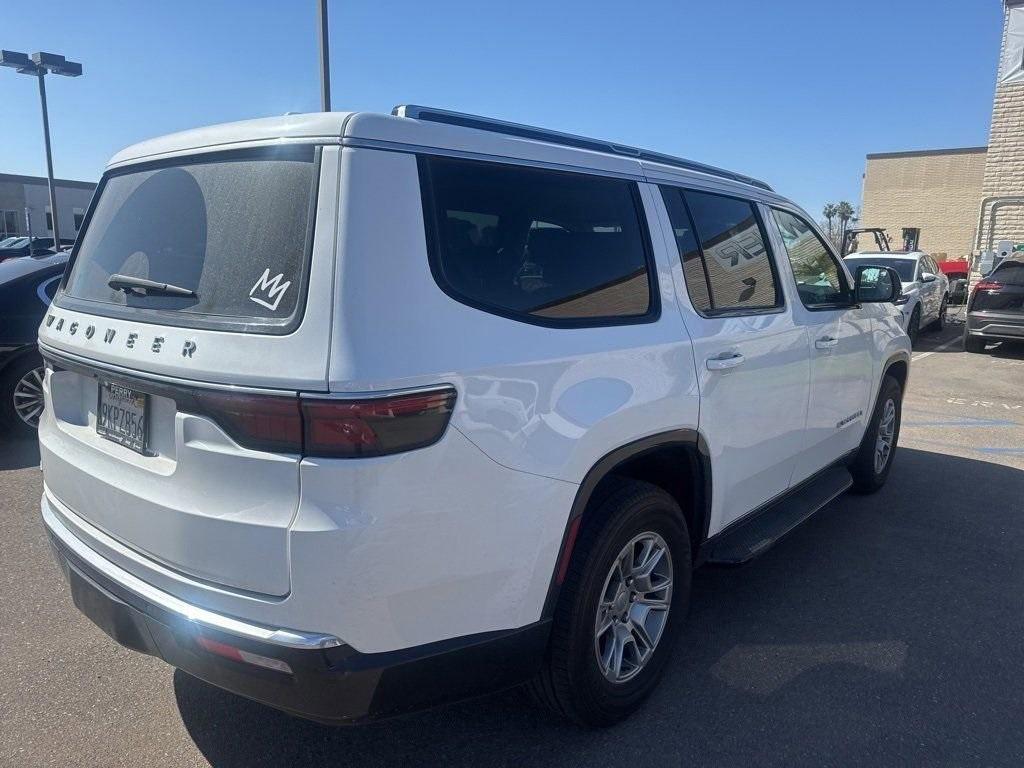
column 725, row 363
column 826, row 342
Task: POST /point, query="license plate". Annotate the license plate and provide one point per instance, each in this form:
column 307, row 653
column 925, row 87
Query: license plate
column 121, row 416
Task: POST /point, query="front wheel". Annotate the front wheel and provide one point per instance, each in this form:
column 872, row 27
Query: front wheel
column 871, row 465
column 625, row 596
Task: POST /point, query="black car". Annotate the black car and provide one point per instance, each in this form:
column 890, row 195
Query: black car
column 995, row 311
column 26, row 287
column 30, row 246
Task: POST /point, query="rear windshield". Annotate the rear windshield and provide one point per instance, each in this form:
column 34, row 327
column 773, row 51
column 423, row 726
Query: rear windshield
column 233, row 230
column 1009, row 273
column 905, row 267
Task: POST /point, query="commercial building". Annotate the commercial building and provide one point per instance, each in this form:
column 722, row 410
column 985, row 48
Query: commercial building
column 935, row 191
column 25, row 204
column 963, row 200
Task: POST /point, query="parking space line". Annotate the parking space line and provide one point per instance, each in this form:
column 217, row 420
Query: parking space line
column 940, row 348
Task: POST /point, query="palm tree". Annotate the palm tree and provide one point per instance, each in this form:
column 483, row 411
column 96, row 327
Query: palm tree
column 829, row 212
column 845, row 212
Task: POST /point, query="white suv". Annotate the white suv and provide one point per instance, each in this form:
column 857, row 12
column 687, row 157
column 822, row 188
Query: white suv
column 354, row 414
column 925, row 287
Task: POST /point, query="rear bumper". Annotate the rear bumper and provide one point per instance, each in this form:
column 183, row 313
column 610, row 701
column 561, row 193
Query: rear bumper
column 328, row 682
column 996, row 325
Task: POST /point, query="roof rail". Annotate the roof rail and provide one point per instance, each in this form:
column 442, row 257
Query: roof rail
column 566, row 139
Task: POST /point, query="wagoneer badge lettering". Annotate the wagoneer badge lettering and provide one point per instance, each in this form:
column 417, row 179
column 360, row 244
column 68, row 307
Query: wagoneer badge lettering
column 49, row 320
column 109, row 335
column 157, row 343
column 73, row 328
column 188, row 349
column 130, row 343
column 90, row 331
column 60, row 324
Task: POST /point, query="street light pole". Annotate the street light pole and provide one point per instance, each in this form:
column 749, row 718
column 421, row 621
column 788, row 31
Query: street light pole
column 325, row 62
column 39, row 64
column 41, row 73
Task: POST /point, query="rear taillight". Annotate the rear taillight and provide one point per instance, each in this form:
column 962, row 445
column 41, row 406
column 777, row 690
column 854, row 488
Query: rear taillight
column 988, row 285
column 360, row 428
column 331, row 427
column 261, row 422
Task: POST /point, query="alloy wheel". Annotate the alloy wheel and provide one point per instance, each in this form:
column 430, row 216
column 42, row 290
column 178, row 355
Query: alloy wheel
column 884, row 439
column 28, row 397
column 634, row 606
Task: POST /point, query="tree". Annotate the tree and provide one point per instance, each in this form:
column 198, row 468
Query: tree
column 844, row 211
column 829, row 212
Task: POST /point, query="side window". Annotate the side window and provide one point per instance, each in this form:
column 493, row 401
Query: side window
column 689, row 252
column 725, row 259
column 537, row 243
column 819, row 279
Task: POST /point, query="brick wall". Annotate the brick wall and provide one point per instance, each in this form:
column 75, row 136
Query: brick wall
column 937, row 191
column 1004, row 169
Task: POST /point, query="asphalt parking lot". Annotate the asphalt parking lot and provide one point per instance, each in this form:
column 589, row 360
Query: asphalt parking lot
column 889, row 630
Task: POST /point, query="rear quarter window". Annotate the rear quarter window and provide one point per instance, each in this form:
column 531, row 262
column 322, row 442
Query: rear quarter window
column 547, row 247
column 235, row 228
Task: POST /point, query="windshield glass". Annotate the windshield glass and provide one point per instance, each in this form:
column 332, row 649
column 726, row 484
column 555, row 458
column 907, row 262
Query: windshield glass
column 905, row 267
column 14, row 242
column 233, row 230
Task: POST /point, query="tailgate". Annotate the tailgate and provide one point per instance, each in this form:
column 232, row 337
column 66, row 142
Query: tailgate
column 130, row 441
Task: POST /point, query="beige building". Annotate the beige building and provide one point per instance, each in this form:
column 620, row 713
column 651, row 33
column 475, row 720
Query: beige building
column 937, row 191
column 963, row 200
column 1003, row 215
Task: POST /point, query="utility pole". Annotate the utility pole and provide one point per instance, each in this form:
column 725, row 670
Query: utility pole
column 325, row 60
column 39, row 64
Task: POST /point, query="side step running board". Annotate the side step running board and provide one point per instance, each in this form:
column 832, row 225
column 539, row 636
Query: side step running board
column 749, row 538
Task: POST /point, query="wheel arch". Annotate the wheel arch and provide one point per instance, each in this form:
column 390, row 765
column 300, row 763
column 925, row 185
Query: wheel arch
column 655, row 459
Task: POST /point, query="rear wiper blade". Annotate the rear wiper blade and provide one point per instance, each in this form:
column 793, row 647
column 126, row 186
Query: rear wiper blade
column 144, row 287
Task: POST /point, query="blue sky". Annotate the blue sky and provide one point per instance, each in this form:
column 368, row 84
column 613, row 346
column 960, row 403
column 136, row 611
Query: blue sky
column 794, row 91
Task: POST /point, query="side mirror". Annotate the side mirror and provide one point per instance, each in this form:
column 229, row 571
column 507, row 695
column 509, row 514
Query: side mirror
column 876, row 285
column 928, row 277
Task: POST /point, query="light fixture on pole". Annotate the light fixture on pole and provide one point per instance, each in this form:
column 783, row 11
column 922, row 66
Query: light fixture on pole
column 38, row 65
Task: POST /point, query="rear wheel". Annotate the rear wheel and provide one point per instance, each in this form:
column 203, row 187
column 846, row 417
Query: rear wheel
column 624, row 598
column 973, row 344
column 21, row 395
column 871, row 465
column 914, row 326
column 940, row 322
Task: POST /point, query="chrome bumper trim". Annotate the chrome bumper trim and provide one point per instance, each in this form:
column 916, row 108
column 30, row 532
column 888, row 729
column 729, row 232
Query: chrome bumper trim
column 287, row 638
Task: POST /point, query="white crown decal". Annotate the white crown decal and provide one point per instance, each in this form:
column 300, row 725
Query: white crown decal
column 271, row 289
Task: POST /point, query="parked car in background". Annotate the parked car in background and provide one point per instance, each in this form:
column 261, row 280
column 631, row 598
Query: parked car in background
column 925, row 287
column 26, row 287
column 438, row 404
column 995, row 311
column 958, row 290
column 30, row 246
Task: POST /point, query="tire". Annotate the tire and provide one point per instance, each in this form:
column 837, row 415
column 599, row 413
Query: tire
column 973, row 344
column 17, row 381
column 870, row 474
column 572, row 682
column 940, row 322
column 914, row 326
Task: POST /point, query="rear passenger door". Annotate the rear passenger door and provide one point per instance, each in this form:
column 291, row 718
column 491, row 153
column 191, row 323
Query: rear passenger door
column 839, row 335
column 751, row 358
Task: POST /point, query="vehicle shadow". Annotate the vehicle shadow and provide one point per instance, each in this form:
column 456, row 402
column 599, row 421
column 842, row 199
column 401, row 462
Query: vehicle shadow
column 885, row 631
column 18, row 453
